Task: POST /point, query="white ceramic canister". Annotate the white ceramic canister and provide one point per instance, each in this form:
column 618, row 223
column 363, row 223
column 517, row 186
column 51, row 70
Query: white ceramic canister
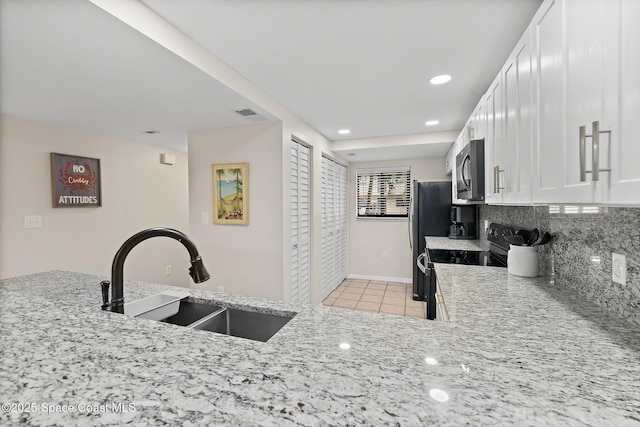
column 522, row 261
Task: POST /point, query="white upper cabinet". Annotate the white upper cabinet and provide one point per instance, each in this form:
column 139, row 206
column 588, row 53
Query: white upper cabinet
column 584, row 147
column 448, row 161
column 560, row 120
column 518, row 103
column 625, row 152
column 494, row 149
column 478, row 121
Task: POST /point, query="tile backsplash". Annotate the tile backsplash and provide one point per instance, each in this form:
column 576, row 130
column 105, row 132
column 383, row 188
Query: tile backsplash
column 580, row 254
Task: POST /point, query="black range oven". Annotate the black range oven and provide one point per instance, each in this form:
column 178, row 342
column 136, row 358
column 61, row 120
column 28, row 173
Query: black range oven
column 496, row 256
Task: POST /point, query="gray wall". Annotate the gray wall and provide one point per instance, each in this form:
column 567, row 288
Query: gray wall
column 580, row 255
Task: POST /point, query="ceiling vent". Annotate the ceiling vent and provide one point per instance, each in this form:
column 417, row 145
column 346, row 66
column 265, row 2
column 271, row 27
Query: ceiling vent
column 246, row 112
column 251, row 115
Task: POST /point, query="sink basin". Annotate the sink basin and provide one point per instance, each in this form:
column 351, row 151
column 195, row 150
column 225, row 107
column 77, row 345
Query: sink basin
column 190, row 312
column 229, row 321
column 244, row 324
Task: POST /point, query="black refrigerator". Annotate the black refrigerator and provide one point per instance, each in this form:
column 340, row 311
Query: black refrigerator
column 430, row 216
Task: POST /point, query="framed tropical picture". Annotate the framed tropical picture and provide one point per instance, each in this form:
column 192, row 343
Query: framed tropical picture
column 231, row 193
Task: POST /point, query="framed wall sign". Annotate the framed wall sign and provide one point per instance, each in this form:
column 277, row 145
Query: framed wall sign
column 231, row 193
column 75, row 181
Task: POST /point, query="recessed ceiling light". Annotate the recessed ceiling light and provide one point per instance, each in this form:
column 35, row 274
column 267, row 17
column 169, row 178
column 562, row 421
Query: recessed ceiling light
column 431, row 122
column 344, row 131
column 438, row 80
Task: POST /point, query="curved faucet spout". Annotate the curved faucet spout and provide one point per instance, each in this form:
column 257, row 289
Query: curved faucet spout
column 197, row 271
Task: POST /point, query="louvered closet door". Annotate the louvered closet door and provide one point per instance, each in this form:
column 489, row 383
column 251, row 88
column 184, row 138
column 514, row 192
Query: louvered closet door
column 341, row 252
column 334, row 221
column 300, row 224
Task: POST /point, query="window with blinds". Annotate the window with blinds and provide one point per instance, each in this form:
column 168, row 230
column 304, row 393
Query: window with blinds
column 383, row 193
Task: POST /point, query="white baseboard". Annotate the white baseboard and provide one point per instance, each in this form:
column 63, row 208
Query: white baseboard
column 380, row 278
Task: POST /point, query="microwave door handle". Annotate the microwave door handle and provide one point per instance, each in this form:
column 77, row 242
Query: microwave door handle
column 464, row 178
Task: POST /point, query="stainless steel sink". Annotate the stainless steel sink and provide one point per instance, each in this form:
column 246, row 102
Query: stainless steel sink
column 229, row 321
column 244, row 324
column 190, row 312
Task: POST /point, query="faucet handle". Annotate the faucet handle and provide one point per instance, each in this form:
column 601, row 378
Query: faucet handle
column 105, row 294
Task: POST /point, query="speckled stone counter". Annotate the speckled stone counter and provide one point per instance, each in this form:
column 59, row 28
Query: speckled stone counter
column 456, row 244
column 517, row 352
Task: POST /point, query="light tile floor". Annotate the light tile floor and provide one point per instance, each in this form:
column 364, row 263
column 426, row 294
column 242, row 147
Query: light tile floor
column 379, row 297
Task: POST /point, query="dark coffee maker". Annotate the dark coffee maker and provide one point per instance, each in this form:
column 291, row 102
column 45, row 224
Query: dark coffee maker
column 463, row 222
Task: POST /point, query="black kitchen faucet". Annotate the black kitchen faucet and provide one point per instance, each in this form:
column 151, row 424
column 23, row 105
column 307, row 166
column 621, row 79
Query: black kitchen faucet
column 197, row 270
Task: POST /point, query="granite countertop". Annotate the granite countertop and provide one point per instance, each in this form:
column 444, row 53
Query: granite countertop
column 456, row 244
column 517, row 351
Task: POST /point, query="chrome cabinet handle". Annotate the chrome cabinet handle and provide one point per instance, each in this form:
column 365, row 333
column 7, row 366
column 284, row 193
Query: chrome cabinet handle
column 496, row 179
column 583, row 153
column 595, row 152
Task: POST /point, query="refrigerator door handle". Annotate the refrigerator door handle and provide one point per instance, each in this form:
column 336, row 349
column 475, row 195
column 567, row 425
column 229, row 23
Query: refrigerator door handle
column 410, row 220
column 420, row 264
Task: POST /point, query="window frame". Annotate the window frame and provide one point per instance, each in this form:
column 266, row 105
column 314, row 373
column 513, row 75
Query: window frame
column 373, row 176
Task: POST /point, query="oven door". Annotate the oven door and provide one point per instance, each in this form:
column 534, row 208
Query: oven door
column 428, row 292
column 420, row 280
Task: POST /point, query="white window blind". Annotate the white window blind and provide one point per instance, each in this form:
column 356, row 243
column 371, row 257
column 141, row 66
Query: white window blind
column 383, row 192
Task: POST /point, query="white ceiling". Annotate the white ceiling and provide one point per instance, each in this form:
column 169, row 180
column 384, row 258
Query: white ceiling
column 357, row 64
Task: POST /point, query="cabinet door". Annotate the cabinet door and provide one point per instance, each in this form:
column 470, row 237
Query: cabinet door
column 590, row 73
column 625, row 174
column 478, row 121
column 448, row 158
column 300, row 224
column 494, row 143
column 549, row 148
column 517, row 90
column 576, row 74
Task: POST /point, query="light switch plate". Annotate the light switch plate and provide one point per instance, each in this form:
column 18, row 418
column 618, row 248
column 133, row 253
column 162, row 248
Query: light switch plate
column 33, row 221
column 619, row 268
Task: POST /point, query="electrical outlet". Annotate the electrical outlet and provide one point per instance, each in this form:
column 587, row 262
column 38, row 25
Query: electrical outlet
column 619, row 268
column 221, row 289
column 486, row 225
column 385, row 255
column 168, row 270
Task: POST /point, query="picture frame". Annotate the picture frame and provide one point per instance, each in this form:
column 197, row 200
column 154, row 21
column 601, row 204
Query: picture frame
column 75, row 181
column 231, row 193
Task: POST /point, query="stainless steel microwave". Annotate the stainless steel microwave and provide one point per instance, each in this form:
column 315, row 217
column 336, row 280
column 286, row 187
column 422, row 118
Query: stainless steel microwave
column 470, row 171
